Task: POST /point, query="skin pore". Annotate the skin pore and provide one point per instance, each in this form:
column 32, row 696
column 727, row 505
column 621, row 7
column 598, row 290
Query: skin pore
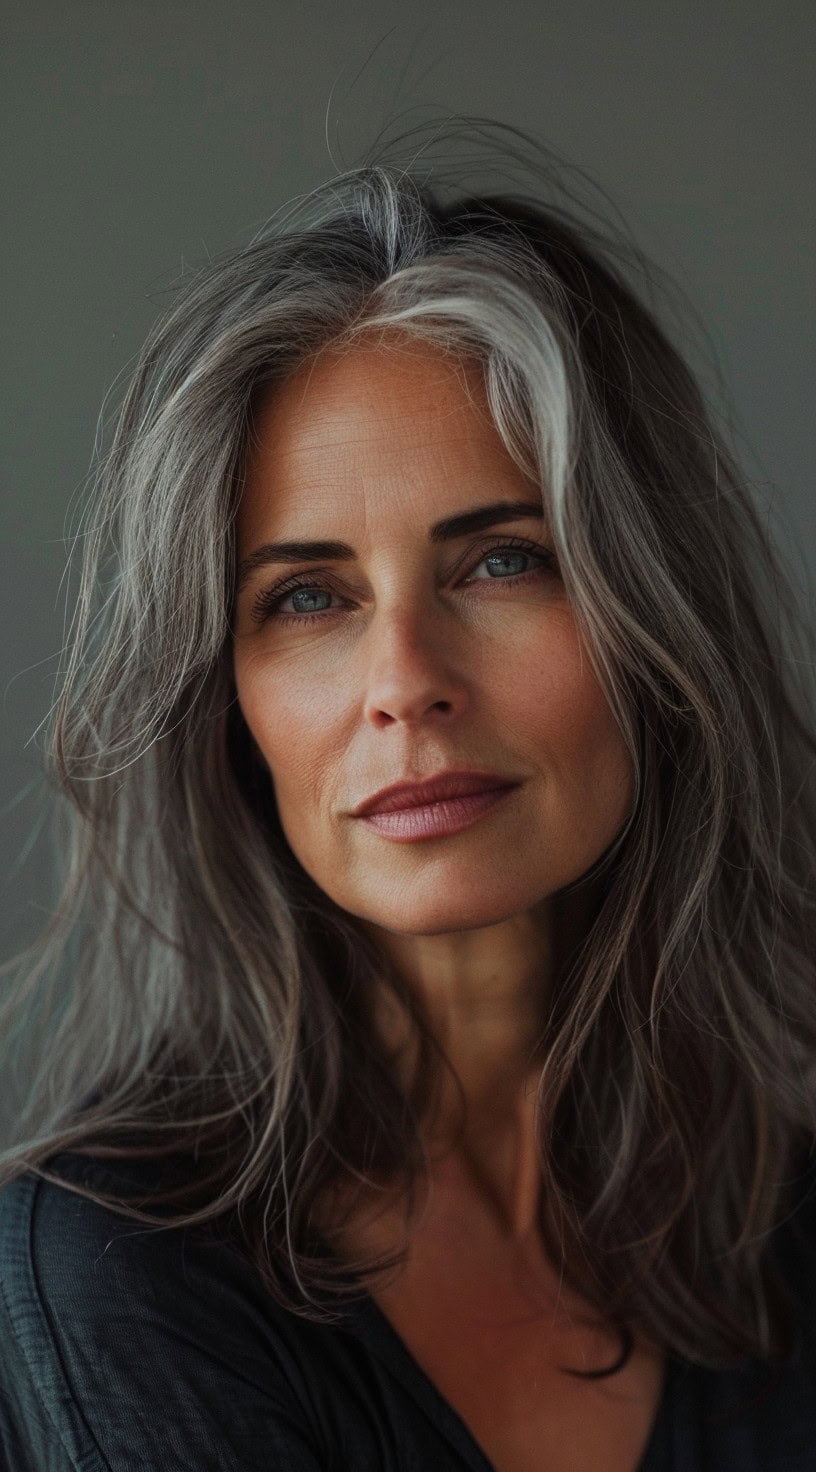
column 408, row 657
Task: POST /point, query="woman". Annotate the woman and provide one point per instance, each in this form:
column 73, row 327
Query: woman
column 426, row 1069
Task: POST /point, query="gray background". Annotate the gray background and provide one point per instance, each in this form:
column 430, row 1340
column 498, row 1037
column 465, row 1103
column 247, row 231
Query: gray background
column 140, row 136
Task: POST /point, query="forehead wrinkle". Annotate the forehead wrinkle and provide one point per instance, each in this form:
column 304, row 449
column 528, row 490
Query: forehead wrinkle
column 400, row 401
column 333, row 456
column 337, row 427
column 428, row 452
column 323, row 493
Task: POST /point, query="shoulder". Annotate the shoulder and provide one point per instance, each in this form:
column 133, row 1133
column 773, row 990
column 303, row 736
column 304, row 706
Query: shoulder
column 118, row 1337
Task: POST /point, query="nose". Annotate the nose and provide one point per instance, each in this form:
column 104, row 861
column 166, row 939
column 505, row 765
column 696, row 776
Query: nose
column 413, row 671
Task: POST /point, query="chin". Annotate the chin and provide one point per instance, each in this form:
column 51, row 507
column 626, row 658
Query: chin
column 439, row 917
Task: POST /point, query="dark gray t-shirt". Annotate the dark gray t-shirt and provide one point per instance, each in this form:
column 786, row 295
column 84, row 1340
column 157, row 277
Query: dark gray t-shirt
column 129, row 1351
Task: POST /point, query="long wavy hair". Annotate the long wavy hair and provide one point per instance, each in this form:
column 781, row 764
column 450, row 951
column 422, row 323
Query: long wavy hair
column 196, row 999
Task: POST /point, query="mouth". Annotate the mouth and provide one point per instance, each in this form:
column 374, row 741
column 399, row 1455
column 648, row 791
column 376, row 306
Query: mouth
column 446, row 786
column 438, row 819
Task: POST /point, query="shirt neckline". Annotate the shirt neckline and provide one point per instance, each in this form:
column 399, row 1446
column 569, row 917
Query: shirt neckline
column 365, row 1318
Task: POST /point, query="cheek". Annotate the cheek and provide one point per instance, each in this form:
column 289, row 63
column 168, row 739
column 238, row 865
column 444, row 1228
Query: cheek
column 566, row 711
column 288, row 721
column 551, row 686
column 260, row 709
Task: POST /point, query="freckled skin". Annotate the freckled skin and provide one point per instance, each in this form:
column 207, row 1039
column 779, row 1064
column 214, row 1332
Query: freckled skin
column 432, row 663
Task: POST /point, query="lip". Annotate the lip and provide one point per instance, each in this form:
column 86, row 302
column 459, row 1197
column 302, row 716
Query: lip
column 445, row 786
column 436, row 819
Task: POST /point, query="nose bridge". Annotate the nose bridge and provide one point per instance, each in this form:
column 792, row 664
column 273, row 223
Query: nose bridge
column 411, row 658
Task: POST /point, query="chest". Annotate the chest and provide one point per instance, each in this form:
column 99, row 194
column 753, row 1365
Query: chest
column 502, row 1374
column 490, row 1322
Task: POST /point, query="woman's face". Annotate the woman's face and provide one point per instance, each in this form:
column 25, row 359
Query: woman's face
column 415, row 655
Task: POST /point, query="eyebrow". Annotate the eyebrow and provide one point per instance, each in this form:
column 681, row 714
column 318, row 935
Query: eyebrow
column 446, row 530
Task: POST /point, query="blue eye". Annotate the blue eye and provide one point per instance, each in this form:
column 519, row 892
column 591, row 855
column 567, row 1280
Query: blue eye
column 268, row 603
column 503, row 557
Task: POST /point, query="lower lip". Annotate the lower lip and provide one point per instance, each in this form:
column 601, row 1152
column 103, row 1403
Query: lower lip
column 435, row 819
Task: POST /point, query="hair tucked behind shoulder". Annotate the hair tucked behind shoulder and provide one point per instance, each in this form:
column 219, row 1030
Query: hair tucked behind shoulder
column 195, row 996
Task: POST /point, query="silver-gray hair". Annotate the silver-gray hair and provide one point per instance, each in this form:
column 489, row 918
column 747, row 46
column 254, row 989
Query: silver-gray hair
column 195, row 993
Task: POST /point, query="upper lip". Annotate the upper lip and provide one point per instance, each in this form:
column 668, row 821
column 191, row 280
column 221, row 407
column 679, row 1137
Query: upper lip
column 434, row 789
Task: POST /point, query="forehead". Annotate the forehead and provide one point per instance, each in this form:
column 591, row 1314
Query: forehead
column 373, row 414
column 370, row 389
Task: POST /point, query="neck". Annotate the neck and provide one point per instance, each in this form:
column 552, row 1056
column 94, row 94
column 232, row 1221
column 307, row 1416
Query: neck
column 486, row 997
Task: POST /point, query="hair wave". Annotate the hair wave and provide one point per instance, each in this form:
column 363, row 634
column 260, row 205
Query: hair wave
column 196, row 998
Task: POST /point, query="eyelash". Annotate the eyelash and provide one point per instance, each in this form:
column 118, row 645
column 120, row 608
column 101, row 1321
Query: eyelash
column 267, row 601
